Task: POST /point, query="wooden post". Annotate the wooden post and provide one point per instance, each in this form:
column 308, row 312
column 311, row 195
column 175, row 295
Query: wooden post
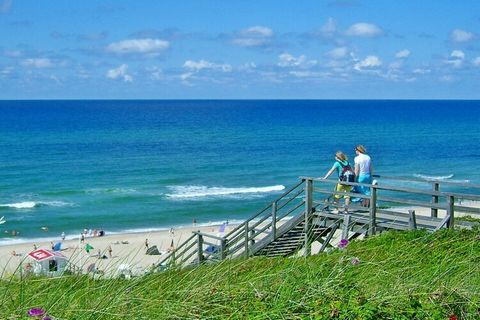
column 435, row 188
column 274, row 220
column 412, row 220
column 246, row 239
column 252, row 237
column 199, row 249
column 373, row 210
column 450, row 211
column 346, row 224
column 308, row 211
column 223, row 253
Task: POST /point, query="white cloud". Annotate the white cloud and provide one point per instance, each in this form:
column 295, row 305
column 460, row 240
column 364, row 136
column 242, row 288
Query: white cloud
column 329, row 29
column 402, row 54
column 287, row 60
column 6, row 72
column 368, row 62
column 156, row 73
column 458, row 35
column 39, row 63
column 362, row 29
column 257, row 31
column 422, row 71
column 456, row 58
column 247, row 66
column 338, row 53
column 197, row 66
column 253, row 37
column 476, row 61
column 120, row 73
column 395, row 65
column 139, row 46
column 458, row 54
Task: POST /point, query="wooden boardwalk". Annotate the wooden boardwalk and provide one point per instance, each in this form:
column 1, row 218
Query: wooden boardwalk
column 304, row 218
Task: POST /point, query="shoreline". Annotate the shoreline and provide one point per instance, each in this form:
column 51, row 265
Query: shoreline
column 18, row 240
column 125, row 249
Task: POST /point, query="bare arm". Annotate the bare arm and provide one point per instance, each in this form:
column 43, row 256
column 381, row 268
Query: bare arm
column 357, row 169
column 329, row 173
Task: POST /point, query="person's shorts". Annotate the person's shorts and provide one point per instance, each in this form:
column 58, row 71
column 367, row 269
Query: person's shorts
column 364, row 179
column 342, row 188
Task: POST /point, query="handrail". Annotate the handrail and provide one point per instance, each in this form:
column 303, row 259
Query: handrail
column 262, row 226
column 208, row 235
column 463, row 184
column 264, row 209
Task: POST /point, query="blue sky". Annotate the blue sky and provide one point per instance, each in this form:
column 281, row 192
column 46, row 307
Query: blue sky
column 331, row 49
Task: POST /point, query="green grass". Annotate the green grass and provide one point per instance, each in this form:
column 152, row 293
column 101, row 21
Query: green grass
column 401, row 275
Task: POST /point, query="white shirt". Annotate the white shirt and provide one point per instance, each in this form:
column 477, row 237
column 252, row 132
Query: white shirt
column 363, row 161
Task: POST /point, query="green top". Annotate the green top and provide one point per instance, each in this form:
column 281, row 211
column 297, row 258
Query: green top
column 339, row 167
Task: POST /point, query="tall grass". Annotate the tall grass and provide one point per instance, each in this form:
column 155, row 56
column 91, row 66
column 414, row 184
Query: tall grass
column 396, row 275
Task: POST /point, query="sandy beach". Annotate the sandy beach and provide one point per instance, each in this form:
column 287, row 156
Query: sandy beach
column 128, row 249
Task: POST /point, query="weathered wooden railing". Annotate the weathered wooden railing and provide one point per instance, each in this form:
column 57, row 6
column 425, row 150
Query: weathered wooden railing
column 390, row 208
column 393, row 201
column 240, row 240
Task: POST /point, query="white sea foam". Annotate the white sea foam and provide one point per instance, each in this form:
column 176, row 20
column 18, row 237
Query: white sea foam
column 186, row 192
column 34, row 204
column 426, row 177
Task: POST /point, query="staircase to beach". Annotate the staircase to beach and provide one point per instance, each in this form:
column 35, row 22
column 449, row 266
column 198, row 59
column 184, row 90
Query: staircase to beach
column 304, row 219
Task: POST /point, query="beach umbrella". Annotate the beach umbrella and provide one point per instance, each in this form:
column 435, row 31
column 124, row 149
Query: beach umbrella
column 88, row 247
column 57, row 246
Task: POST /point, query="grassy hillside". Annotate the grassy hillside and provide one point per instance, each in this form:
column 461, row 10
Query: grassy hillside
column 396, row 275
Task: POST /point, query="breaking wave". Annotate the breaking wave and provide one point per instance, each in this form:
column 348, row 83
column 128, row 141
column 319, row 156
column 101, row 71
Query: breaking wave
column 35, row 204
column 426, row 177
column 195, row 192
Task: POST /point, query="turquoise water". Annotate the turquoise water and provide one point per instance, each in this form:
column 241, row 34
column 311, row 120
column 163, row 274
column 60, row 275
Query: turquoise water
column 142, row 165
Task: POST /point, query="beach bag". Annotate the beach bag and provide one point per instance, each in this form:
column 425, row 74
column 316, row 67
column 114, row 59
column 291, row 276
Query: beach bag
column 347, row 174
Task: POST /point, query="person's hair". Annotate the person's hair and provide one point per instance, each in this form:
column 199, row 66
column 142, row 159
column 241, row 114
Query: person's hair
column 360, row 148
column 340, row 155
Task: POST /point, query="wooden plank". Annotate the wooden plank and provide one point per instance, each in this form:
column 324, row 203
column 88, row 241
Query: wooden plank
column 346, row 226
column 412, row 221
column 411, row 202
column 208, row 235
column 329, row 237
column 435, row 188
column 308, row 211
column 451, row 211
column 465, row 209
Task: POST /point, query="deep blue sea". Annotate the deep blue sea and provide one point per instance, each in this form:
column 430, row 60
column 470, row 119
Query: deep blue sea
column 142, row 165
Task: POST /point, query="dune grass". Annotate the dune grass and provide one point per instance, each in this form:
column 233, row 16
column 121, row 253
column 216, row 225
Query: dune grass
column 395, row 275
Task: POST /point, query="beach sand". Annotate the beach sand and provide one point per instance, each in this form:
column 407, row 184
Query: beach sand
column 127, row 249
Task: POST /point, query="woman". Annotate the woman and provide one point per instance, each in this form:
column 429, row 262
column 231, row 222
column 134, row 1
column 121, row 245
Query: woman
column 363, row 172
column 341, row 162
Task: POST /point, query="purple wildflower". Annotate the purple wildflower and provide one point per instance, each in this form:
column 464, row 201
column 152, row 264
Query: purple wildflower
column 343, row 243
column 36, row 312
column 355, row 261
column 47, row 318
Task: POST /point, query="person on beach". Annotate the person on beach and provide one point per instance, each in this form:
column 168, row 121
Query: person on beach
column 63, row 236
column 109, row 251
column 82, row 238
column 342, row 166
column 363, row 172
column 146, row 244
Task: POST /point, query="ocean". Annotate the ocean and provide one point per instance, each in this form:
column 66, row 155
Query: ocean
column 138, row 165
